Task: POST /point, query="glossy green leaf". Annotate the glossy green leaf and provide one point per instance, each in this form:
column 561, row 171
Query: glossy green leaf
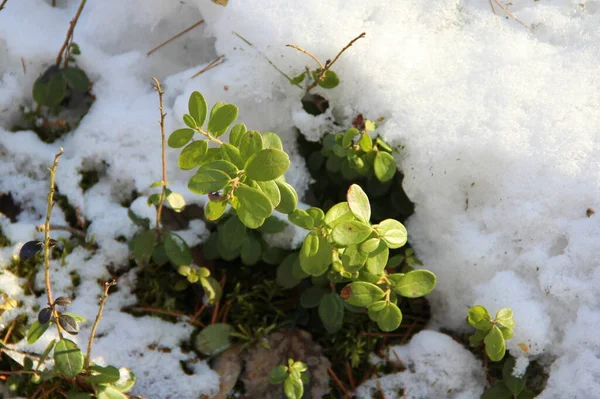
column 208, row 181
column 361, row 293
column 272, row 225
column 293, row 388
column 415, row 284
column 498, row 391
column 177, row 249
column 479, row 318
column 103, row 375
column 231, row 233
column 358, row 202
column 176, row 201
column 316, row 214
column 278, row 374
column 76, row 78
column 192, row 154
column 215, row 209
column 285, row 276
column 377, row 260
column 109, row 392
column 330, row 80
column 68, row 359
column 180, row 137
column 476, row 339
column 254, row 201
column 50, row 88
column 505, row 317
column 213, row 339
column 249, row 219
column 198, row 108
column 236, row 133
column 507, row 333
column 389, row 318
column 310, row 246
column 270, row 189
column 384, row 166
column 374, row 309
column 311, row 297
column 271, row 140
column 143, row 245
column 222, row 118
column 251, row 250
column 495, row 346
column 338, row 213
column 350, row 232
column 267, row 164
column 301, row 219
column 353, row 258
column 36, row 331
column 315, row 263
column 370, row 245
column 289, row 198
column 212, row 289
column 250, row 143
column 232, row 154
column 515, row 384
column 79, row 395
column 392, row 232
column 365, row 142
column 331, row 312
column 189, row 121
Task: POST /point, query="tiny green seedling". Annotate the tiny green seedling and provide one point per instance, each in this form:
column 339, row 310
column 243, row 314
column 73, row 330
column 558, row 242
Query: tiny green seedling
column 492, row 332
column 293, row 377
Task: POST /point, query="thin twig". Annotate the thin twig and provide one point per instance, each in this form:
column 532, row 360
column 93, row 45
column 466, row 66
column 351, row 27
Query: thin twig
column 70, row 229
column 214, row 63
column 350, row 376
column 186, row 30
column 47, row 239
column 161, row 122
column 492, row 7
column 107, row 285
column 2, row 4
column 10, row 331
column 510, row 14
column 380, row 388
column 307, row 53
column 339, row 382
column 165, row 312
column 59, row 57
column 17, row 372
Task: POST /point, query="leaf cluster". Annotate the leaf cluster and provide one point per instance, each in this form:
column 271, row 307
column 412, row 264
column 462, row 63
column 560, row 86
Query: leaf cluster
column 492, row 332
column 510, row 386
column 292, row 376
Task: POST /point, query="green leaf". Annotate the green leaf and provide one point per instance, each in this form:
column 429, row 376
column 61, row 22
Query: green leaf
column 254, row 201
column 338, row 213
column 50, row 88
column 103, row 375
column 76, row 317
column 232, row 233
column 270, row 189
column 315, row 263
column 192, row 154
column 215, row 209
column 222, row 165
column 79, row 395
column 289, row 198
column 76, row 79
column 505, row 317
column 310, row 246
column 232, row 154
column 109, row 392
column 415, row 284
column 353, row 259
column 479, row 318
column 526, row 395
column 331, row 312
column 350, row 232
column 198, row 108
column 384, row 166
column 392, row 232
column 301, row 219
column 375, row 308
column 477, row 338
column 349, row 136
column 267, row 164
column 213, row 339
column 514, row 384
column 389, row 318
column 141, row 222
column 189, row 121
column 365, row 142
column 272, row 225
column 293, row 388
column 159, row 256
column 249, row 219
column 285, row 277
column 377, row 260
column 68, row 359
column 495, row 347
column 208, row 181
column 278, row 374
column 176, row 201
column 222, row 118
column 250, row 143
column 358, row 202
column 127, row 382
column 212, row 289
column 236, row 133
column 251, row 250
column 507, row 333
column 312, row 296
column 330, row 80
column 36, row 331
column 271, row 140
column 370, row 245
column 143, row 245
column 498, row 391
column 213, row 154
column 361, row 293
column 177, row 250
column 180, row 137
column 316, row 214
column 298, row 79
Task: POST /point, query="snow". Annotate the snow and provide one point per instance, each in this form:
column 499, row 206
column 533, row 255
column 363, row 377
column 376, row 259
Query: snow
column 499, row 125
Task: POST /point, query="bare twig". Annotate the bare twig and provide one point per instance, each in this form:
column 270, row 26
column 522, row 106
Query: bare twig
column 71, row 230
column 2, row 4
column 165, row 312
column 107, row 285
column 62, row 50
column 161, row 122
column 339, row 383
column 492, row 7
column 510, row 14
column 214, row 63
column 47, row 239
column 307, row 53
column 183, row 32
column 17, row 372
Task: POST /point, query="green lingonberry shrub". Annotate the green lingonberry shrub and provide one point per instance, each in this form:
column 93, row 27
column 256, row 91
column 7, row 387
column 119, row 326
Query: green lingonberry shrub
column 492, row 332
column 292, row 376
column 510, row 386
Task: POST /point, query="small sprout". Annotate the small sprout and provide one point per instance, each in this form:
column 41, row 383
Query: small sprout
column 68, row 324
column 45, row 315
column 493, row 333
column 63, row 301
column 292, row 377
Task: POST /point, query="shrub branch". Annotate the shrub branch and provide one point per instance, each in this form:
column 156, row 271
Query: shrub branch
column 161, row 122
column 69, row 37
column 107, row 286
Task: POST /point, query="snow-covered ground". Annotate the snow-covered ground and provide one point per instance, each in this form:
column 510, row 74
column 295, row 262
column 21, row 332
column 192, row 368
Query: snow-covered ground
column 500, row 124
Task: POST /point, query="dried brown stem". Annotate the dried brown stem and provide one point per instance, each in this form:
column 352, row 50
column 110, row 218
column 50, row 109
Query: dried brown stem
column 2, row 4
column 63, row 49
column 183, row 32
column 214, row 63
column 71, row 230
column 339, row 383
column 163, row 193
column 307, row 53
column 47, row 238
column 165, row 312
column 107, row 286
column 510, row 14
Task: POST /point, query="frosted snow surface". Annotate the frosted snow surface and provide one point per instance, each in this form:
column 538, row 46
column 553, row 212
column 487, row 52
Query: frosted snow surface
column 500, row 124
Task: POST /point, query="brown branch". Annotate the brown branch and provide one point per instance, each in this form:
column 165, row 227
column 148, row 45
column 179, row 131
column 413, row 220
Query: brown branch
column 214, row 63
column 161, row 122
column 62, row 50
column 2, row 4
column 71, row 230
column 165, row 312
column 339, row 382
column 509, row 13
column 17, row 372
column 492, row 7
column 107, row 285
column 307, row 53
column 186, row 30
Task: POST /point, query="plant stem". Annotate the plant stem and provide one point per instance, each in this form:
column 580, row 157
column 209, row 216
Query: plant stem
column 47, row 240
column 186, row 30
column 69, row 37
column 161, row 122
column 2, row 4
column 71, row 230
column 107, row 286
column 307, row 53
column 214, row 63
column 209, row 136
